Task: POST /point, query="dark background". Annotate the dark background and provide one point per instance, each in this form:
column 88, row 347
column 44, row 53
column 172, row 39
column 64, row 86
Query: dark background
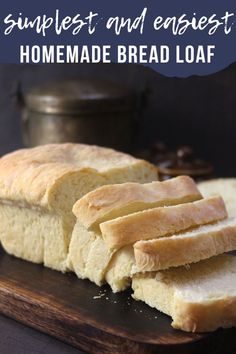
column 199, row 111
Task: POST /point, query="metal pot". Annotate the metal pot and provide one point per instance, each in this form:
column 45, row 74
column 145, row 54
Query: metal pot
column 82, row 110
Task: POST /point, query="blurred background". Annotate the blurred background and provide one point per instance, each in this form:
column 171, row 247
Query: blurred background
column 167, row 113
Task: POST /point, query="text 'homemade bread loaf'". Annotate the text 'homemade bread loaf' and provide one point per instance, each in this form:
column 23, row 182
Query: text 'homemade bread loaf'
column 39, row 186
column 199, row 298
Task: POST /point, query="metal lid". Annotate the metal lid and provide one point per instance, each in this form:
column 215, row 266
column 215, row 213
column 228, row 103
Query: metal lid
column 79, row 96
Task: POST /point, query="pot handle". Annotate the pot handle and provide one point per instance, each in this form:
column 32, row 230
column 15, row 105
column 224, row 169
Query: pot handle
column 18, row 97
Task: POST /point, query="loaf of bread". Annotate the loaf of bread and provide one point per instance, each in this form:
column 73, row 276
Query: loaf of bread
column 90, row 255
column 226, row 187
column 199, row 298
column 39, row 186
column 118, row 231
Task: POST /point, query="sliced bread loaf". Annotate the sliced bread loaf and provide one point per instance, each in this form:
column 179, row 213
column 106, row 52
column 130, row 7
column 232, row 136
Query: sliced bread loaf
column 90, row 256
column 199, row 298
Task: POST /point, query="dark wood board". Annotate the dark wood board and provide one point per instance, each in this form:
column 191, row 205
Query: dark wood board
column 63, row 306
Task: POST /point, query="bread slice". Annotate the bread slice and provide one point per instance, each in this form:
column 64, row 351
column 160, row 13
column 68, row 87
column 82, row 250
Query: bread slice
column 112, row 201
column 88, row 255
column 199, row 298
column 158, row 222
column 185, row 248
column 119, row 271
column 226, row 187
column 39, row 186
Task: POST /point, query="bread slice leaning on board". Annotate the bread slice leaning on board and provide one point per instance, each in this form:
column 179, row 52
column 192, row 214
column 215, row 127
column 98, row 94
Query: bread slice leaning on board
column 199, row 298
column 90, row 254
column 39, row 186
column 226, row 187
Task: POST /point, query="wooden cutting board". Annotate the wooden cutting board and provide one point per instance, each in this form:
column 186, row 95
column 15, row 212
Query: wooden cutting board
column 82, row 314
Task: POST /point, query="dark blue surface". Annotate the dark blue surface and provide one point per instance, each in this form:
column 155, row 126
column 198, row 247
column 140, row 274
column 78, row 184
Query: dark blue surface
column 225, row 52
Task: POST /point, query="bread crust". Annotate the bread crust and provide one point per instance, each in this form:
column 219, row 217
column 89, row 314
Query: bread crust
column 158, row 222
column 203, row 243
column 30, row 175
column 111, row 201
column 204, row 317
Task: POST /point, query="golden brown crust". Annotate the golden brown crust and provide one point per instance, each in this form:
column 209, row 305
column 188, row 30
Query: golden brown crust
column 158, row 222
column 203, row 243
column 28, row 175
column 111, row 201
